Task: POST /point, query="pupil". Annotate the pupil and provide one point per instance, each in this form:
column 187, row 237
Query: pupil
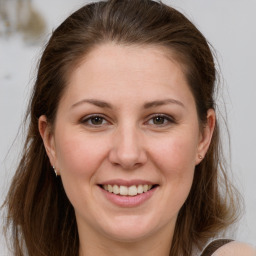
column 97, row 120
column 159, row 120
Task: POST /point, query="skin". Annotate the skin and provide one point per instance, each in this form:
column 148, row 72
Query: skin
column 236, row 249
column 128, row 143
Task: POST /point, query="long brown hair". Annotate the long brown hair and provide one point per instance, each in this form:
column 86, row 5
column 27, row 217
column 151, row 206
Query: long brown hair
column 40, row 216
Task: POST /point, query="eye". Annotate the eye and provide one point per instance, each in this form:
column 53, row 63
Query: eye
column 160, row 120
column 94, row 120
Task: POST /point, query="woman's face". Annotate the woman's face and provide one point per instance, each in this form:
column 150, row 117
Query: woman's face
column 126, row 141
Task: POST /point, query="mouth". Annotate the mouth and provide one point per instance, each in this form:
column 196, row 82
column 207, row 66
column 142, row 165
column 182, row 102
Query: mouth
column 132, row 190
column 128, row 193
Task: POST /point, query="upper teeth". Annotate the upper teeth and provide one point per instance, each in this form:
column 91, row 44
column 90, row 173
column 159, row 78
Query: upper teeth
column 124, row 190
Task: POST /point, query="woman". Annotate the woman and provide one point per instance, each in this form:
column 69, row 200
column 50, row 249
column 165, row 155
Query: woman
column 123, row 112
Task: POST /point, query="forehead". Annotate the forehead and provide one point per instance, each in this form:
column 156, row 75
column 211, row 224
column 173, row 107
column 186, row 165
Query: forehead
column 112, row 69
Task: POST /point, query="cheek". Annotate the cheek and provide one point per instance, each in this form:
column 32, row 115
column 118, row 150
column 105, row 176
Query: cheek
column 79, row 155
column 176, row 160
column 176, row 156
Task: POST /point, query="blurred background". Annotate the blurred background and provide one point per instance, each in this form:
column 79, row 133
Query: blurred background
column 26, row 25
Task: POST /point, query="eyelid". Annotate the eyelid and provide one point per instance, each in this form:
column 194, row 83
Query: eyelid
column 170, row 119
column 86, row 118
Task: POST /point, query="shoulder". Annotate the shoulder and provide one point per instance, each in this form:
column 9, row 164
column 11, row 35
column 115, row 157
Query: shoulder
column 236, row 249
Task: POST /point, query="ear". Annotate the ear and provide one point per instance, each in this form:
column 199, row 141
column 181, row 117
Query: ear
column 206, row 135
column 45, row 130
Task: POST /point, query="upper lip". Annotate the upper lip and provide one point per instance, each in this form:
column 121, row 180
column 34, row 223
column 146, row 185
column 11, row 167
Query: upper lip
column 121, row 182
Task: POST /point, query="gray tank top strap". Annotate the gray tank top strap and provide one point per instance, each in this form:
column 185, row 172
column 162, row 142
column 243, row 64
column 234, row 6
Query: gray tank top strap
column 213, row 246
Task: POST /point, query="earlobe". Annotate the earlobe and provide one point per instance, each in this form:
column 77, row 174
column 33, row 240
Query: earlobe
column 45, row 131
column 206, row 135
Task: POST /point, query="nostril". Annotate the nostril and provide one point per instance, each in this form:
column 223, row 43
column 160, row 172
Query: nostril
column 127, row 155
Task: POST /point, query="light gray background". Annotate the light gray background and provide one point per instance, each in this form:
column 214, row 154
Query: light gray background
column 230, row 27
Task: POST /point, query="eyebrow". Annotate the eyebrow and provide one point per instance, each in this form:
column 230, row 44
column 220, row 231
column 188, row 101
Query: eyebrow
column 157, row 103
column 98, row 103
column 103, row 104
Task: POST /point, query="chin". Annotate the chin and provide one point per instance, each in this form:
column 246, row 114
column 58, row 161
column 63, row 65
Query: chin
column 130, row 230
column 128, row 235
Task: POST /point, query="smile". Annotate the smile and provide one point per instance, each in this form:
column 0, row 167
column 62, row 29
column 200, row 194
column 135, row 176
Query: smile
column 127, row 191
column 124, row 193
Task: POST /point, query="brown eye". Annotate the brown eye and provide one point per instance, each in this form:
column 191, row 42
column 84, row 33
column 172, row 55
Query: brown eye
column 158, row 120
column 97, row 120
column 94, row 121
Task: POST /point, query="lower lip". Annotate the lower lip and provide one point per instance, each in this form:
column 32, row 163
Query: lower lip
column 128, row 201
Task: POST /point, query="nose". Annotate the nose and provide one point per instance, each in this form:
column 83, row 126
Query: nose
column 127, row 149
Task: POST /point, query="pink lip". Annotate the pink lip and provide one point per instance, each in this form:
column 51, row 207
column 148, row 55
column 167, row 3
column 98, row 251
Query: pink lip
column 128, row 201
column 121, row 182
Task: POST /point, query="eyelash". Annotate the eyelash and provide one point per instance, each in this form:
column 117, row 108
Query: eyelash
column 168, row 119
column 88, row 120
